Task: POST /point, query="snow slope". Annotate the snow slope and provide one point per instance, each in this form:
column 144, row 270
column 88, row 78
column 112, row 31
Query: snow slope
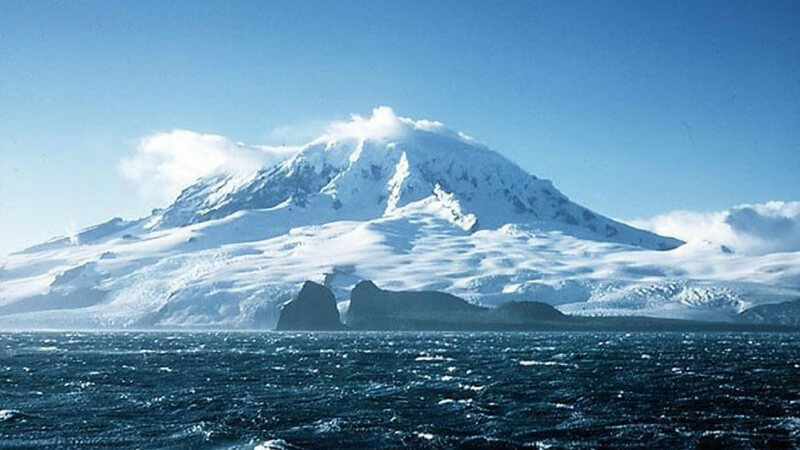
column 408, row 204
column 363, row 173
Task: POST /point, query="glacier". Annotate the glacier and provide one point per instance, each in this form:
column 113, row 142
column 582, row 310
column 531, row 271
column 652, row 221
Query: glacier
column 410, row 204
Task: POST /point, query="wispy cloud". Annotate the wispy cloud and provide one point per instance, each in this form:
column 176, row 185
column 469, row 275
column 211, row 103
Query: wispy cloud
column 165, row 163
column 384, row 123
column 750, row 229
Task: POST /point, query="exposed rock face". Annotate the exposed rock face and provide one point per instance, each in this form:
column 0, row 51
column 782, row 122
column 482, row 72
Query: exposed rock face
column 313, row 309
column 374, row 308
column 525, row 312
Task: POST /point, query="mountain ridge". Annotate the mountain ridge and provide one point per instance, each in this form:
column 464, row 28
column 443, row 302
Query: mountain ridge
column 373, row 175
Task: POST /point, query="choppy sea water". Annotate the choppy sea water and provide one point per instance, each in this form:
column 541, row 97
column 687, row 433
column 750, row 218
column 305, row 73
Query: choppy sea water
column 417, row 390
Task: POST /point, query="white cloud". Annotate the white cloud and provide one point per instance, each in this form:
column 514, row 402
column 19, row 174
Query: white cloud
column 750, row 229
column 165, row 163
column 384, row 123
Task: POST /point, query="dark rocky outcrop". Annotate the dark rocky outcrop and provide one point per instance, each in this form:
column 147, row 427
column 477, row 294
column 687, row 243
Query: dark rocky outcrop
column 369, row 303
column 372, row 308
column 526, row 312
column 314, row 308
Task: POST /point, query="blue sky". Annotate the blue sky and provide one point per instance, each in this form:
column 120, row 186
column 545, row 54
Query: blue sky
column 631, row 108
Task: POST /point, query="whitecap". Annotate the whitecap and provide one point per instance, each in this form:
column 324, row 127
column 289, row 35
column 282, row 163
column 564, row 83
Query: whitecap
column 47, row 348
column 7, row 415
column 275, row 444
column 471, row 387
column 432, row 358
column 328, row 426
column 791, row 425
column 531, row 362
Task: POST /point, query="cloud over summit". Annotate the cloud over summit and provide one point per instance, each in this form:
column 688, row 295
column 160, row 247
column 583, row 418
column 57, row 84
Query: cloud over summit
column 165, row 163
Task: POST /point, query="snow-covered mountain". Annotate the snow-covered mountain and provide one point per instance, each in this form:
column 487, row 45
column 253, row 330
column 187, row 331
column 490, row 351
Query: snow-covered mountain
column 397, row 162
column 409, row 204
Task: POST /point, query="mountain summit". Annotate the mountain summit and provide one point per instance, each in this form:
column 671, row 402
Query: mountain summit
column 376, row 167
column 407, row 203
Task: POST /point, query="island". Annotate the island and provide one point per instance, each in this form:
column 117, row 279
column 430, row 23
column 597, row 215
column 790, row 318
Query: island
column 314, row 308
column 375, row 309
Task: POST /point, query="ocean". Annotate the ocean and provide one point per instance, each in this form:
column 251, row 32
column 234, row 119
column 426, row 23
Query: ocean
column 408, row 390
